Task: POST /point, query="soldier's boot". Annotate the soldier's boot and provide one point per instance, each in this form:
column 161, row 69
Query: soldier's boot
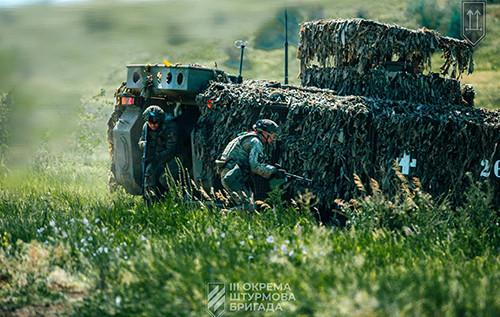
column 234, row 182
column 151, row 196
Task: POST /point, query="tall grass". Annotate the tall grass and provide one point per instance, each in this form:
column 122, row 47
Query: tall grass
column 109, row 255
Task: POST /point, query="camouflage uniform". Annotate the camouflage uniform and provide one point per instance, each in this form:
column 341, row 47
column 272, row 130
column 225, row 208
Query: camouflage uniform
column 161, row 151
column 244, row 156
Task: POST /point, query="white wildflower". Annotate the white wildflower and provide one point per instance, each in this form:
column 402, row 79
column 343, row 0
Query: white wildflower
column 210, row 230
column 284, row 248
column 270, row 239
column 118, row 301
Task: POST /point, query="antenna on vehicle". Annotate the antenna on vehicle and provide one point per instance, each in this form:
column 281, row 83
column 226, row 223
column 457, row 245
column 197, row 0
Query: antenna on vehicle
column 240, row 44
column 286, row 46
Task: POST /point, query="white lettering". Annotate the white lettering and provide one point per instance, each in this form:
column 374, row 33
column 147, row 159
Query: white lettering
column 486, row 170
column 270, row 307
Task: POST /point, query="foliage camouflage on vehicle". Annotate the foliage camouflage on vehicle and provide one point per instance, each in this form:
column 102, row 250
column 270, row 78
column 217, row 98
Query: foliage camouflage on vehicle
column 381, row 84
column 366, row 44
column 329, row 138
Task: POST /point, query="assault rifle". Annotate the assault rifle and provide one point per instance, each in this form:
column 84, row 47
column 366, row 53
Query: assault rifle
column 302, row 179
column 144, row 154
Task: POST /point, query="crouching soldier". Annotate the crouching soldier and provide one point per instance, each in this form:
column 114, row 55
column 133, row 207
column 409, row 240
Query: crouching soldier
column 159, row 145
column 244, row 156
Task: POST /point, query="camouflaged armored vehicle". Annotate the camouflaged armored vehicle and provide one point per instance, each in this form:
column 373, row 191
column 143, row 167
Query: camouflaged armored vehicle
column 369, row 105
column 174, row 89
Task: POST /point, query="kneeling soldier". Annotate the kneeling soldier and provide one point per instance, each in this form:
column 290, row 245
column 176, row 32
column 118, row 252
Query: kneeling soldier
column 244, row 156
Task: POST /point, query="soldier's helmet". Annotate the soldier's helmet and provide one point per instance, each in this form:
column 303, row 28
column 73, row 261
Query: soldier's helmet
column 266, row 125
column 153, row 113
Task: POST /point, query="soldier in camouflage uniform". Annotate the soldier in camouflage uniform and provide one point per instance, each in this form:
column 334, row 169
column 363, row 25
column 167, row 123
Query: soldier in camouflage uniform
column 159, row 135
column 244, row 156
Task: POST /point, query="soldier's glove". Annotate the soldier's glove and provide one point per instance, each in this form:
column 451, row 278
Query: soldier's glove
column 280, row 173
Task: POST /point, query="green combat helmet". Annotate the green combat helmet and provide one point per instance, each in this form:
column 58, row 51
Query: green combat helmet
column 153, row 113
column 266, row 125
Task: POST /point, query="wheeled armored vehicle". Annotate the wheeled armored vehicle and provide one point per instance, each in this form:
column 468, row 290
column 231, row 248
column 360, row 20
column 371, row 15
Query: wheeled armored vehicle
column 369, row 103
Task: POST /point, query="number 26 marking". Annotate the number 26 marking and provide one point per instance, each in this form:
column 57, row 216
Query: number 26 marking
column 487, row 171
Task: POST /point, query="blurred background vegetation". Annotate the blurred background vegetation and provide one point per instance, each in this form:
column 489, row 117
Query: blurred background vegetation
column 68, row 245
column 55, row 57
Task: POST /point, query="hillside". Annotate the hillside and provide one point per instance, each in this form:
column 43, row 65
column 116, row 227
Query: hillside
column 52, row 56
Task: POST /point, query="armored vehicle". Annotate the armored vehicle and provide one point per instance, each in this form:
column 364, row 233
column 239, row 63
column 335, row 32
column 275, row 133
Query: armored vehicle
column 369, row 105
column 174, row 89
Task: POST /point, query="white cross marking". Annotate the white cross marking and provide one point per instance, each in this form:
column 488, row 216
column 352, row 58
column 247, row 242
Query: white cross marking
column 405, row 163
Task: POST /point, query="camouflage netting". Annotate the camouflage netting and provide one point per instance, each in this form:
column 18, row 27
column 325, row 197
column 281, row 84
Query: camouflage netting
column 366, row 44
column 381, row 84
column 329, row 138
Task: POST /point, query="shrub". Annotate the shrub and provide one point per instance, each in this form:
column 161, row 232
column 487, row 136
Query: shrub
column 427, row 13
column 271, row 35
column 5, row 105
column 96, row 21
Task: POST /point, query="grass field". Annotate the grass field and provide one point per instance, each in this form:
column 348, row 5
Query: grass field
column 69, row 247
column 74, row 249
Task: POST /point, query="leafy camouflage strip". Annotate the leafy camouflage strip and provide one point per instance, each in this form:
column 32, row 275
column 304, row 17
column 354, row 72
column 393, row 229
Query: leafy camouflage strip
column 329, row 138
column 382, row 84
column 366, row 44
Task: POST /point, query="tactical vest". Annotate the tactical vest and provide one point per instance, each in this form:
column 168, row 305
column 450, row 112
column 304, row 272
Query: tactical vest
column 236, row 153
column 158, row 140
